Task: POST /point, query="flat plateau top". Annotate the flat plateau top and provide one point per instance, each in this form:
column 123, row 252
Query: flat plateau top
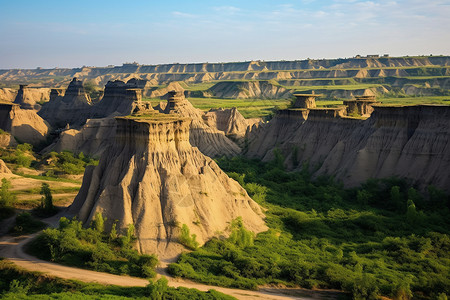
column 328, row 108
column 308, row 95
column 155, row 117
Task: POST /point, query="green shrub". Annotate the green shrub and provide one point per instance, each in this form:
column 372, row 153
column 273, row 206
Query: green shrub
column 188, row 240
column 7, row 199
column 92, row 248
column 26, row 224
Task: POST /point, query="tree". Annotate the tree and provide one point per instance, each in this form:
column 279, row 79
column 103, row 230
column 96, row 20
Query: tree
column 99, row 222
column 187, row 239
column 239, row 235
column 6, row 198
column 47, row 199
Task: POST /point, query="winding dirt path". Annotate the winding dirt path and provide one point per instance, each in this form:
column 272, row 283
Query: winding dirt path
column 11, row 248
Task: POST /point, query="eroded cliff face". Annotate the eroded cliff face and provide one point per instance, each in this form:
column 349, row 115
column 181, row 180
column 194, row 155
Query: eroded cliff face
column 7, row 94
column 409, row 142
column 153, row 178
column 28, row 98
column 71, row 108
column 209, row 140
column 119, row 99
column 23, row 124
column 231, row 122
column 92, row 138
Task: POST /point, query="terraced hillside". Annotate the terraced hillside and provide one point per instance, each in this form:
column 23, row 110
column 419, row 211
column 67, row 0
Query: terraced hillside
column 386, row 77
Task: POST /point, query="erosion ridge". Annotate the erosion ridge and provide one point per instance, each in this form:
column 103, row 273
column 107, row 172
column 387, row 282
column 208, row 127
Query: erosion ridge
column 410, row 142
column 215, row 133
column 153, row 178
column 210, row 141
column 427, row 75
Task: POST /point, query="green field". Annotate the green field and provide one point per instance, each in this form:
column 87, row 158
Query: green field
column 249, row 108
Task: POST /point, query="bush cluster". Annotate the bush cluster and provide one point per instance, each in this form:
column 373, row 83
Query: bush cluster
column 67, row 162
column 92, row 248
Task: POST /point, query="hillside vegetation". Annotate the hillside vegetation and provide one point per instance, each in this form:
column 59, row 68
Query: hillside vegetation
column 382, row 239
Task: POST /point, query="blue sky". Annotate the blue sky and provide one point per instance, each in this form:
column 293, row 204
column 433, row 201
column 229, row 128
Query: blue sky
column 98, row 33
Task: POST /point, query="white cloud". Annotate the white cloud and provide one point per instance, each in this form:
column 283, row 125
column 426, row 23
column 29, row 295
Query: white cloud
column 227, row 9
column 182, row 14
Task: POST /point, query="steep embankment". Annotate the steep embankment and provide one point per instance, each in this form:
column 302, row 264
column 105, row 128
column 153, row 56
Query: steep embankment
column 408, row 142
column 153, row 178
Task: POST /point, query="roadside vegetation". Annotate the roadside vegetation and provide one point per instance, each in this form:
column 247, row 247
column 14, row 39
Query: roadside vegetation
column 384, row 238
column 17, row 283
column 92, row 248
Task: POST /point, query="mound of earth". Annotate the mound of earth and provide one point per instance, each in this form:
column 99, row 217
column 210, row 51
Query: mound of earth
column 153, row 178
column 163, row 91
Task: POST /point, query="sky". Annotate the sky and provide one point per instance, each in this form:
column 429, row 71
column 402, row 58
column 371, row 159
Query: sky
column 56, row 33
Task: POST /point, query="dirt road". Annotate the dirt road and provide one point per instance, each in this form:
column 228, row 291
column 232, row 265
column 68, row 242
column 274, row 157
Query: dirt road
column 11, row 248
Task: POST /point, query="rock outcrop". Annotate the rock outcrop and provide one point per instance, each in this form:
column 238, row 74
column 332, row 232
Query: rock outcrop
column 153, row 178
column 163, row 91
column 230, row 121
column 23, row 124
column 92, row 138
column 7, row 140
column 28, row 98
column 411, row 142
column 73, row 108
column 7, row 94
column 119, row 99
column 209, row 140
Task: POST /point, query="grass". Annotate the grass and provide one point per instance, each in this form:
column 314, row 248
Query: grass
column 443, row 100
column 200, row 86
column 48, row 178
column 382, row 239
column 249, row 108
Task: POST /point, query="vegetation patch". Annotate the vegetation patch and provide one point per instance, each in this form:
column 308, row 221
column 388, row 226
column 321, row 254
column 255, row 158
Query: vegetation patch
column 92, row 248
column 384, row 238
column 17, row 283
column 26, row 224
